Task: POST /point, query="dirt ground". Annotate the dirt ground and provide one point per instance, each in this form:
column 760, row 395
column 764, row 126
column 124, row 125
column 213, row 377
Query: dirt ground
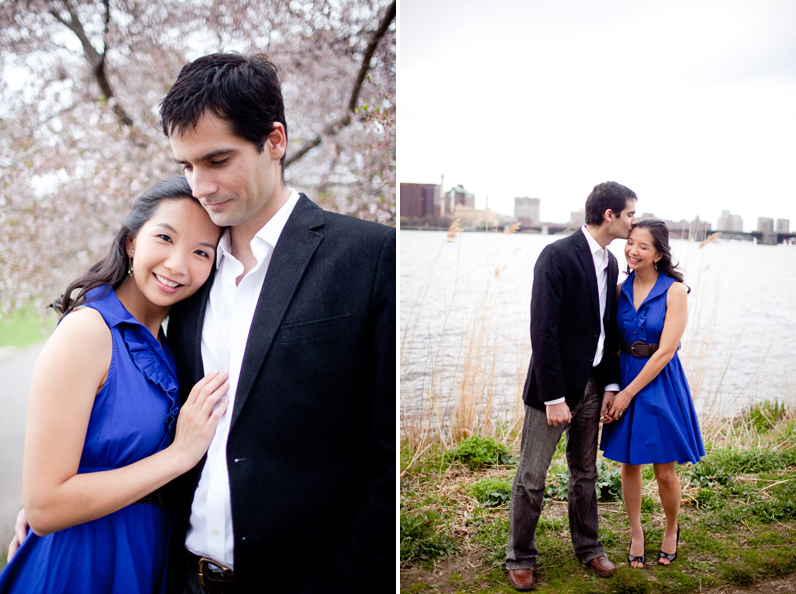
column 779, row 586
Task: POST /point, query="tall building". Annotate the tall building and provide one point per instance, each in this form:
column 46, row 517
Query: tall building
column 420, row 200
column 698, row 229
column 729, row 222
column 454, row 196
column 527, row 210
column 765, row 225
column 577, row 218
column 783, row 225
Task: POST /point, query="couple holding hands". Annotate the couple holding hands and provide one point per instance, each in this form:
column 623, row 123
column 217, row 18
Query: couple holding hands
column 590, row 337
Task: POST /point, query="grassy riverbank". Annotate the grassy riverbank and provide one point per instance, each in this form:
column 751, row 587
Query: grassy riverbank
column 738, row 518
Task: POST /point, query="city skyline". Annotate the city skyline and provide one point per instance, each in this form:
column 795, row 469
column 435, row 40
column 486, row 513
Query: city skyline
column 549, row 99
column 714, row 220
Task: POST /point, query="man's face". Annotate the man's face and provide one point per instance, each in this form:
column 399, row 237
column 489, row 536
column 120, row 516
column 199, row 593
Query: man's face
column 235, row 184
column 619, row 227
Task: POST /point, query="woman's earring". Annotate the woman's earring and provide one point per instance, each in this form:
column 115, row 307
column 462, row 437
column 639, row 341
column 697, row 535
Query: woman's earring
column 130, row 267
column 655, row 264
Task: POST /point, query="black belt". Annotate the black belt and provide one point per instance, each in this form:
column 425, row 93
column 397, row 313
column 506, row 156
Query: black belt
column 640, row 349
column 214, row 577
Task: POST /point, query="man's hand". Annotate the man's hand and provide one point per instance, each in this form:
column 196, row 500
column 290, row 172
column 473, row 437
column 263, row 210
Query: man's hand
column 20, row 532
column 608, row 399
column 558, row 413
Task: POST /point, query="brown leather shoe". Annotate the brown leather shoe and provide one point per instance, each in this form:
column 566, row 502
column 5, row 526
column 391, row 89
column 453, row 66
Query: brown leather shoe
column 602, row 566
column 521, row 579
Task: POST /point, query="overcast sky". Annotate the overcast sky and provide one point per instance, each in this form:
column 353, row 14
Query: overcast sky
column 690, row 103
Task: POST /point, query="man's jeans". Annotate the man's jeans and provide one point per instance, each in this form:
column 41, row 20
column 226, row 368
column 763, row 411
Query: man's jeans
column 538, row 446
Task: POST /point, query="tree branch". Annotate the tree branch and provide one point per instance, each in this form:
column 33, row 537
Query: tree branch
column 343, row 121
column 389, row 17
column 94, row 58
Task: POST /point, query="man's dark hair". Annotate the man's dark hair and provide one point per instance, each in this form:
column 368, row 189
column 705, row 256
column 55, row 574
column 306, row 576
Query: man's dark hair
column 244, row 90
column 607, row 196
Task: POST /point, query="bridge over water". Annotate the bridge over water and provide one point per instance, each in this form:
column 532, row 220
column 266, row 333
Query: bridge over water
column 677, row 231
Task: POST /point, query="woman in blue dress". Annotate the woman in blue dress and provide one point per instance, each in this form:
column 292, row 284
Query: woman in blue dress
column 652, row 419
column 104, row 427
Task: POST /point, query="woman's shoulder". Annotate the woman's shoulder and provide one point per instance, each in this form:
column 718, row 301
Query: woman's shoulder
column 86, row 325
column 677, row 290
column 81, row 344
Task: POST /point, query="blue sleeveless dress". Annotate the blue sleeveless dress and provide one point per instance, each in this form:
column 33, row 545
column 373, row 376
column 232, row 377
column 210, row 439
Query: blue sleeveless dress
column 660, row 425
column 133, row 417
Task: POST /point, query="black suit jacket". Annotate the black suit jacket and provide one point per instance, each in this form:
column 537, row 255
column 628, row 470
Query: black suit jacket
column 311, row 449
column 565, row 323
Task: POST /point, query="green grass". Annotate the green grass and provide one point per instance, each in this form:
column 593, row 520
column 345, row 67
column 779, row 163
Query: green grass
column 22, row 329
column 738, row 520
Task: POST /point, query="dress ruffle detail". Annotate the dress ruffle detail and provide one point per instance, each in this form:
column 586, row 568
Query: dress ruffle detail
column 152, row 366
column 153, row 360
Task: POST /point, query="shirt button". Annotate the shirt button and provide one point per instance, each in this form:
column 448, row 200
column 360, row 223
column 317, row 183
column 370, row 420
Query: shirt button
column 230, row 286
column 216, row 532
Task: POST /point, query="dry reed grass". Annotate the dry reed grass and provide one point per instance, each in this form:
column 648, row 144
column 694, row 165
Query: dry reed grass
column 457, row 403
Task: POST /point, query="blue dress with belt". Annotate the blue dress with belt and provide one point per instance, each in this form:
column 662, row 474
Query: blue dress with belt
column 132, row 417
column 660, row 425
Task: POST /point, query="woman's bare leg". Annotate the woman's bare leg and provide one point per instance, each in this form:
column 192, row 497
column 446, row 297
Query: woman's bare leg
column 631, row 494
column 671, row 494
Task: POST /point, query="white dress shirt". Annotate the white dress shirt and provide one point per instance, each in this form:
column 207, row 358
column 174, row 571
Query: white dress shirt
column 229, row 314
column 599, row 255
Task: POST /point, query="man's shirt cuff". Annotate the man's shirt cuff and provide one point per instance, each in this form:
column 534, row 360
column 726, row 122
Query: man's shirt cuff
column 611, row 388
column 556, row 401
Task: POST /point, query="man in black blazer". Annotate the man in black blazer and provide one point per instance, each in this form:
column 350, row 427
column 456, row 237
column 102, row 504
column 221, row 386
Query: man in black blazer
column 572, row 378
column 298, row 490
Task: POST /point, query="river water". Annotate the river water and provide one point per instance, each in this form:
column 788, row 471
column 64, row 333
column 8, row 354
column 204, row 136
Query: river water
column 465, row 312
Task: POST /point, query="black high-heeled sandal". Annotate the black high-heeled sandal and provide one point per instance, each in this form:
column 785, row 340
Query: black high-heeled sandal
column 631, row 558
column 673, row 556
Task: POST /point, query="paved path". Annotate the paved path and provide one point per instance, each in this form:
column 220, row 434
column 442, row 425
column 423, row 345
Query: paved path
column 15, row 371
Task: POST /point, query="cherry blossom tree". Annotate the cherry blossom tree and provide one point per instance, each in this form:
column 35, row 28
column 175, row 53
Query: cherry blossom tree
column 79, row 133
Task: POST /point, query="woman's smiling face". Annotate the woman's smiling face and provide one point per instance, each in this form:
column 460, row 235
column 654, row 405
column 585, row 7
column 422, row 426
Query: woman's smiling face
column 640, row 249
column 173, row 252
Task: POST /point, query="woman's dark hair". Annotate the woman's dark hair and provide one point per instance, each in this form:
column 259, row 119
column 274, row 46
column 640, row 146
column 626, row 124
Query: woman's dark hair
column 660, row 239
column 112, row 269
column 607, row 196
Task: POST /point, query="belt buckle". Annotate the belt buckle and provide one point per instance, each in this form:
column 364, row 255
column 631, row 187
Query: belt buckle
column 207, row 567
column 633, row 346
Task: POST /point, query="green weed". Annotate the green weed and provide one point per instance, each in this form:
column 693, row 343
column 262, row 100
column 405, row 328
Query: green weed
column 491, row 492
column 629, row 581
column 477, row 452
column 609, row 483
column 764, row 416
column 423, row 537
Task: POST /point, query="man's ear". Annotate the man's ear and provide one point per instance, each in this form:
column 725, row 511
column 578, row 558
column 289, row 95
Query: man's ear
column 276, row 142
column 608, row 215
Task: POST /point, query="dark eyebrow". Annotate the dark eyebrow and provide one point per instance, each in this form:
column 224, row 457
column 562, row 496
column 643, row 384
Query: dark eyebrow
column 209, row 155
column 167, row 226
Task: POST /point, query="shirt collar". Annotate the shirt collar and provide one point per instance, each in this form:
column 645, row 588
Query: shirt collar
column 266, row 237
column 594, row 247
